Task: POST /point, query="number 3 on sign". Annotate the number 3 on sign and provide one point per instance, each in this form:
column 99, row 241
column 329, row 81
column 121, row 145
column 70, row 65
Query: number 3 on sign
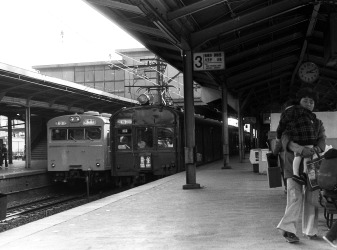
column 198, row 62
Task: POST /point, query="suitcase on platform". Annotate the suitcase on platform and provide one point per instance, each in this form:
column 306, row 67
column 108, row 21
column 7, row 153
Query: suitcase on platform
column 273, row 171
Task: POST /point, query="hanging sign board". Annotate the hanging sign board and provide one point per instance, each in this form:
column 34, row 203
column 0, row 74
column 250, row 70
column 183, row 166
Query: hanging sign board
column 209, row 61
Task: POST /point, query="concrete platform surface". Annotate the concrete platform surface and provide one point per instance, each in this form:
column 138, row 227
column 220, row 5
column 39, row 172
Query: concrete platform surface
column 234, row 209
column 18, row 168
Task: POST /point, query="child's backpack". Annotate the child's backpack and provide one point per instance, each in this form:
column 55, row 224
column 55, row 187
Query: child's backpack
column 327, row 176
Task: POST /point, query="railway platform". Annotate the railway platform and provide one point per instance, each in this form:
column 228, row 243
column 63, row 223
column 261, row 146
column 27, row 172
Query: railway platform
column 18, row 168
column 234, row 209
column 16, row 177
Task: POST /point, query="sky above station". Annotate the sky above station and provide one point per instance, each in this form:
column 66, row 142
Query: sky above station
column 42, row 32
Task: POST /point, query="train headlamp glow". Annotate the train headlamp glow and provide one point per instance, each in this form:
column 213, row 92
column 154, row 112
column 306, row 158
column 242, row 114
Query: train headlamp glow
column 74, row 119
column 53, row 165
column 98, row 165
column 143, row 99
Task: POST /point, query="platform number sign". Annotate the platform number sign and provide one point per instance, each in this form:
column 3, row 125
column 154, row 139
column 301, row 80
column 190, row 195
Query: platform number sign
column 209, row 61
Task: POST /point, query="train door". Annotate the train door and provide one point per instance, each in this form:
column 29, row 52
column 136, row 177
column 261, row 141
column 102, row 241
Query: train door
column 166, row 154
column 123, row 152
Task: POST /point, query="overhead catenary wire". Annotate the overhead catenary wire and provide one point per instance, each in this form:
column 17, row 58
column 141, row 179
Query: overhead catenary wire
column 171, row 79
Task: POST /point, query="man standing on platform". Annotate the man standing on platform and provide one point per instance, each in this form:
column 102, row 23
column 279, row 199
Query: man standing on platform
column 4, row 155
column 1, row 158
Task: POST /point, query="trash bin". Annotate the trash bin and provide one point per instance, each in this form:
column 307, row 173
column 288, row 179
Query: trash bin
column 254, row 159
column 263, row 164
column 3, row 206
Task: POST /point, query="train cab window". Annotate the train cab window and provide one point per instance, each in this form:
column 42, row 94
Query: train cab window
column 75, row 134
column 144, row 138
column 124, row 142
column 93, row 133
column 58, row 134
column 165, row 138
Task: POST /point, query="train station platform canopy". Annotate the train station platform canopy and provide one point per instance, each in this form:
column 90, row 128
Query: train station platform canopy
column 264, row 42
column 49, row 97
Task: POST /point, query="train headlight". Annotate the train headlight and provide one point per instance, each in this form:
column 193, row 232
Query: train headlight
column 74, row 119
column 143, row 99
column 53, row 165
column 98, row 165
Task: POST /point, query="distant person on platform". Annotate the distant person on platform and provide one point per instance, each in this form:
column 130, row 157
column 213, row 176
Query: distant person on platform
column 1, row 158
column 4, row 156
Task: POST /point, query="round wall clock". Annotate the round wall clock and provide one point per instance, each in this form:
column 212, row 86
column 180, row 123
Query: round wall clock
column 308, row 72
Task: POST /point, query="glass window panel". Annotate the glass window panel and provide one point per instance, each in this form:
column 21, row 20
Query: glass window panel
column 109, row 75
column 139, row 73
column 144, row 138
column 165, row 137
column 79, row 77
column 124, row 142
column 58, row 134
column 89, row 76
column 99, row 85
column 109, row 87
column 75, row 134
column 119, row 86
column 99, row 75
column 119, row 75
column 93, row 133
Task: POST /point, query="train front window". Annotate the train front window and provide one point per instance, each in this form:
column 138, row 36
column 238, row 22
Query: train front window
column 144, row 138
column 165, row 137
column 93, row 133
column 58, row 134
column 124, row 142
column 75, row 134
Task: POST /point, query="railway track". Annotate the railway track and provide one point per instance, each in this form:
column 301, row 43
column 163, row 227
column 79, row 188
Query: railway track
column 25, row 208
column 41, row 205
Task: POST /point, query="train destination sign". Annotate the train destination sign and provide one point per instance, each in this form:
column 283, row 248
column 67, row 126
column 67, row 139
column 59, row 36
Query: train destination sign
column 209, row 61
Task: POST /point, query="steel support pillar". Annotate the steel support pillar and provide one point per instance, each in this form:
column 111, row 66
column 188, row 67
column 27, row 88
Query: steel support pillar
column 10, row 141
column 27, row 139
column 190, row 150
column 240, row 128
column 225, row 140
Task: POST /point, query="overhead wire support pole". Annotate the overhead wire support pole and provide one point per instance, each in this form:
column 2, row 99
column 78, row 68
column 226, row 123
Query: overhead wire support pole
column 190, row 150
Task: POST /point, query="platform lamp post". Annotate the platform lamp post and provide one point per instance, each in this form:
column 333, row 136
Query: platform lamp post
column 190, row 153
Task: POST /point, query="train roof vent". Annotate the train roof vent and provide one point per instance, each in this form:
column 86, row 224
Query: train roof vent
column 91, row 113
column 107, row 115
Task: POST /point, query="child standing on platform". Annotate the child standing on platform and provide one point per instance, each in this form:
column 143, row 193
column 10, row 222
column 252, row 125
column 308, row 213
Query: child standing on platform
column 297, row 121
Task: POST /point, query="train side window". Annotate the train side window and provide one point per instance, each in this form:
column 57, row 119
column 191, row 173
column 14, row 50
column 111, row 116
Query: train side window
column 58, row 134
column 124, row 142
column 75, row 134
column 144, row 138
column 165, row 137
column 93, row 133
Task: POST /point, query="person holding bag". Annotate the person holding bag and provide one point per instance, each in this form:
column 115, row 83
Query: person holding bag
column 299, row 197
